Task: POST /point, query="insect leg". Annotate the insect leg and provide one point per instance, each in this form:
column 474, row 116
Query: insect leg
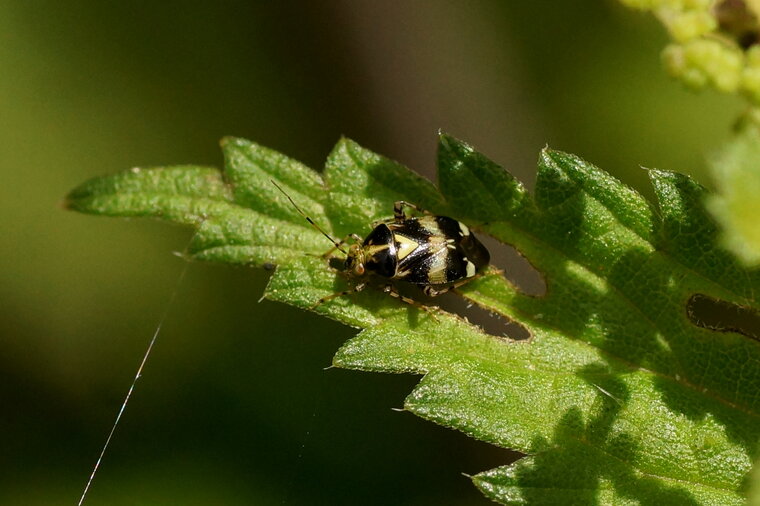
column 434, row 292
column 357, row 288
column 398, row 210
column 431, row 310
column 343, row 241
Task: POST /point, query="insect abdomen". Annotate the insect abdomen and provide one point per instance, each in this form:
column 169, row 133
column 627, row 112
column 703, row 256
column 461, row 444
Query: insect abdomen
column 445, row 252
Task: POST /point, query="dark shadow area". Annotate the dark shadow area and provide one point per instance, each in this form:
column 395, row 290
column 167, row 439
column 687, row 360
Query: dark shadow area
column 491, row 323
column 515, row 266
column 582, row 455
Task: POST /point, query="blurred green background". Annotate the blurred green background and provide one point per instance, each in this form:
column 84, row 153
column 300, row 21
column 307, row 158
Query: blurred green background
column 235, row 406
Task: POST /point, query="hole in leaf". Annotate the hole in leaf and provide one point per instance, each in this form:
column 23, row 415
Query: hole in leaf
column 492, row 324
column 516, row 267
column 723, row 316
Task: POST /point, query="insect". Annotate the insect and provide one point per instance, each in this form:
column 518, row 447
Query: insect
column 435, row 253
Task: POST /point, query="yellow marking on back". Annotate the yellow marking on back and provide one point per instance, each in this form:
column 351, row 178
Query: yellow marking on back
column 405, row 246
column 429, row 224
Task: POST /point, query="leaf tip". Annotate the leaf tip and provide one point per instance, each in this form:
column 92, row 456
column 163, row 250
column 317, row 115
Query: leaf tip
column 230, row 142
column 551, row 156
column 450, row 146
column 448, row 139
column 347, row 149
column 228, row 139
column 656, row 172
column 661, row 179
column 345, row 143
column 67, row 204
column 73, row 201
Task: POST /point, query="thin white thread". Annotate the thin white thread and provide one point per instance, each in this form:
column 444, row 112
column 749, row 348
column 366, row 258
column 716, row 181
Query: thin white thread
column 605, row 392
column 134, row 381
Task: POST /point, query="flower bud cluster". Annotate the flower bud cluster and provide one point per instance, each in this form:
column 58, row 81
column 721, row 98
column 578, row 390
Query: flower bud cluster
column 716, row 43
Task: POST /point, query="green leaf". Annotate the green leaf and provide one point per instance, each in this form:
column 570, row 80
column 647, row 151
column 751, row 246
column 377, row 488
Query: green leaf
column 617, row 398
column 754, row 485
column 364, row 185
column 183, row 194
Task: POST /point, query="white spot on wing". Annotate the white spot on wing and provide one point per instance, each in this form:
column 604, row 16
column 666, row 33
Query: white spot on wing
column 464, row 229
column 470, row 269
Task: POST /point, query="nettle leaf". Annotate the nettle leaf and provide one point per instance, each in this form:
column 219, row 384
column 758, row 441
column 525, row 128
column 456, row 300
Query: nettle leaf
column 619, row 397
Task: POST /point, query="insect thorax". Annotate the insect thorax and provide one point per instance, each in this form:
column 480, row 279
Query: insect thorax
column 380, row 251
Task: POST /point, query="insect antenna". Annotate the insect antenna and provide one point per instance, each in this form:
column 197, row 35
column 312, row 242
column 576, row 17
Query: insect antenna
column 335, row 243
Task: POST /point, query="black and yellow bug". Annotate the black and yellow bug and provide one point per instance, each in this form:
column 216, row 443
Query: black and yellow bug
column 435, row 253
